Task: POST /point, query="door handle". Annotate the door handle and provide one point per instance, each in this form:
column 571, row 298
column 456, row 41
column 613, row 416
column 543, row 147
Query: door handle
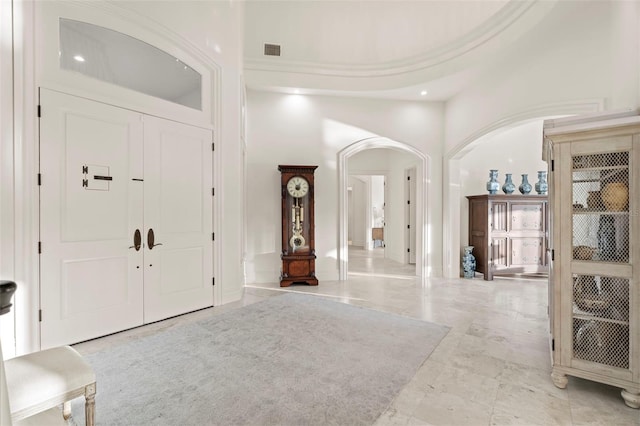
column 137, row 240
column 151, row 239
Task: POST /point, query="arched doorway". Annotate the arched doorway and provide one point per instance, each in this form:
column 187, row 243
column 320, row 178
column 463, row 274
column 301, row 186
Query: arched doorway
column 423, row 237
column 451, row 195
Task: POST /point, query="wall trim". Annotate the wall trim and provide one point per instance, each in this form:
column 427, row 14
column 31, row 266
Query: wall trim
column 7, row 217
column 477, row 37
column 423, row 213
column 451, row 172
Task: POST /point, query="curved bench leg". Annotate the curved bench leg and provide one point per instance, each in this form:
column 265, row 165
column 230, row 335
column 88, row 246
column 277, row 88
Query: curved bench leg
column 66, row 410
column 90, row 404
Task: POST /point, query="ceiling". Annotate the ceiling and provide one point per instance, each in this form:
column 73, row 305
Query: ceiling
column 392, row 49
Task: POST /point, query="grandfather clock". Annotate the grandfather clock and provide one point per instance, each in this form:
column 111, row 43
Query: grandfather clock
column 298, row 243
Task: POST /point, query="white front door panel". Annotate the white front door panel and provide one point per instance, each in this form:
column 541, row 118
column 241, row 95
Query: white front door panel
column 108, row 172
column 178, row 208
column 91, row 282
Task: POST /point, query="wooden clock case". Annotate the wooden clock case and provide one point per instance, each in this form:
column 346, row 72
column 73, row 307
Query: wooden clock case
column 298, row 263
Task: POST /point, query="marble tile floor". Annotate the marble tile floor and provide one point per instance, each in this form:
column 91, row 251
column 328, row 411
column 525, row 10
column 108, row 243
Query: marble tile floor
column 491, row 369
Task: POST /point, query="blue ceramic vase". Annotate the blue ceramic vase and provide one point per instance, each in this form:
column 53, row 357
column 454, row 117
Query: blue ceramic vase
column 541, row 185
column 468, row 262
column 508, row 186
column 525, row 186
column 493, row 185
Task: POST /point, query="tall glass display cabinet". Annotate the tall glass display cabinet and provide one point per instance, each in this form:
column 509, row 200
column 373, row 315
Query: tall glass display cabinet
column 594, row 251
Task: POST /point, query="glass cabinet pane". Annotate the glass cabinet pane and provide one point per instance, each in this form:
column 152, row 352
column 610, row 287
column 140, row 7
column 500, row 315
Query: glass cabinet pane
column 600, row 207
column 601, row 342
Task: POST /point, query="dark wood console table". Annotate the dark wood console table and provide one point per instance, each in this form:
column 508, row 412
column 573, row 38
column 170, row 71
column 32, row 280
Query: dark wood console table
column 508, row 233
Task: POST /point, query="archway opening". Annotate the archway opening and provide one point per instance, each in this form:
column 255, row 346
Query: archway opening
column 453, row 197
column 421, row 217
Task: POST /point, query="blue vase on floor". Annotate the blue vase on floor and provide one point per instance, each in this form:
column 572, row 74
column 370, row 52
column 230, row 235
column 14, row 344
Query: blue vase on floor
column 493, row 185
column 468, row 262
column 508, row 186
column 541, row 185
column 525, row 186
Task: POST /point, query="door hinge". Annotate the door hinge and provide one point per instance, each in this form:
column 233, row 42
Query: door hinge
column 39, row 179
column 408, row 250
column 40, row 315
column 213, row 281
column 408, row 201
column 213, row 236
column 408, row 226
column 553, row 254
column 552, row 165
column 39, row 247
column 213, row 191
column 39, row 111
column 553, row 344
column 408, row 177
column 213, row 146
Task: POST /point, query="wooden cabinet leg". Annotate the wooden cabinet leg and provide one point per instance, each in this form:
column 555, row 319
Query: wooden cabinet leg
column 559, row 379
column 632, row 399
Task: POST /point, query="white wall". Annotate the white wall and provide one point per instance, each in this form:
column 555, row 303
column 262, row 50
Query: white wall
column 7, row 224
column 357, row 209
column 297, row 129
column 377, row 201
column 568, row 57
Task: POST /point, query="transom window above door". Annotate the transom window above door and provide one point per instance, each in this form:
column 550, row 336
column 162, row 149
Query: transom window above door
column 123, row 60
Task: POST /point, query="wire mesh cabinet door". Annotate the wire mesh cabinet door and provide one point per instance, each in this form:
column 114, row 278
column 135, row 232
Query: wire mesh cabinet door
column 595, row 202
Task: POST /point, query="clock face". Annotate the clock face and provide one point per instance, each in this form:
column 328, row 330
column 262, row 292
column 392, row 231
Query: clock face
column 298, row 186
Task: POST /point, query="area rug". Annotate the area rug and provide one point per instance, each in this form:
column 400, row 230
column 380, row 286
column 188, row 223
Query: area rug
column 288, row 360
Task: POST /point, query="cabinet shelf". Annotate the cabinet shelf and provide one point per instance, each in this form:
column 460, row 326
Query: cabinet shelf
column 601, row 168
column 580, row 211
column 594, row 317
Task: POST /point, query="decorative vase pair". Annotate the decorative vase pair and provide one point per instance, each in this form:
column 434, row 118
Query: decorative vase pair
column 525, row 187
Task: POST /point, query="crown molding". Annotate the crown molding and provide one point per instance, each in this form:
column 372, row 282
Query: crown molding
column 478, row 37
column 570, row 107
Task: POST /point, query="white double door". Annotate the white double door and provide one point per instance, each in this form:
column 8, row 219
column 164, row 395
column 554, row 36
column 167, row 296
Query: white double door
column 125, row 219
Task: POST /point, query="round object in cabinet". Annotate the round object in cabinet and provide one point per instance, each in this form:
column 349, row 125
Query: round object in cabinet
column 615, row 196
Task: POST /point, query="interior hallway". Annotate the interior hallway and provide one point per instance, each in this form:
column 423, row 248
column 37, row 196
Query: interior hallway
column 491, row 369
column 373, row 263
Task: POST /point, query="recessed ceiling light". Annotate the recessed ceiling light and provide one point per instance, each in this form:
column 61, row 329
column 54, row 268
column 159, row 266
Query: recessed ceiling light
column 423, row 93
column 79, row 58
column 296, row 91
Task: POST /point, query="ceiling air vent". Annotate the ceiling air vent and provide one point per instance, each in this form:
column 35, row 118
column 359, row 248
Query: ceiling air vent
column 271, row 49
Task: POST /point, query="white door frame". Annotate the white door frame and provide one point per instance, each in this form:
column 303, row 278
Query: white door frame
column 423, row 217
column 410, row 234
column 24, row 202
